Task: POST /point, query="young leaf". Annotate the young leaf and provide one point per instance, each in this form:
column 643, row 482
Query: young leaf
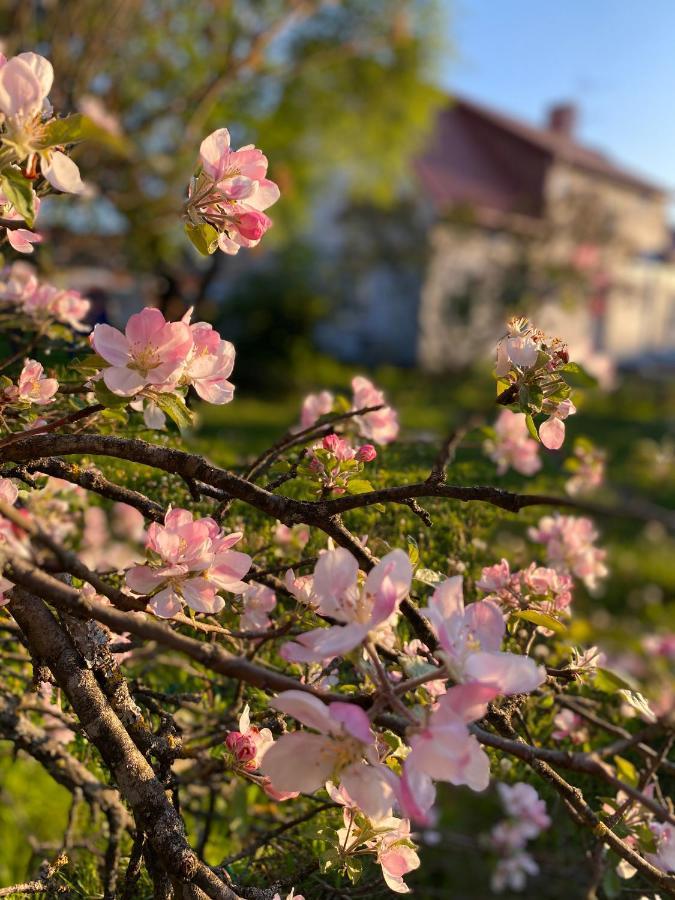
column 174, row 407
column 609, row 682
column 576, row 376
column 359, row 486
column 543, row 619
column 60, row 132
column 626, row 771
column 532, row 428
column 19, row 192
column 204, row 238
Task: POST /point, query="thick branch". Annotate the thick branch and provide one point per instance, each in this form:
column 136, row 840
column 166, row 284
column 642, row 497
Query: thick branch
column 136, row 780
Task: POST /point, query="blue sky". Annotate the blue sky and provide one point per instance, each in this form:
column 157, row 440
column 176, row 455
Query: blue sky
column 614, row 58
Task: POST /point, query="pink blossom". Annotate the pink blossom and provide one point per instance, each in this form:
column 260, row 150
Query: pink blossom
column 314, row 406
column 495, row 578
column 297, row 536
column 366, row 453
column 523, row 803
column 191, row 559
column 291, row 896
column 209, row 363
column 249, row 744
column 359, row 611
column 472, row 637
column 443, row 749
column 25, row 83
column 153, row 417
column 339, row 447
column 341, row 745
column 664, row 858
column 232, row 192
column 22, row 239
column 258, row 601
column 46, row 300
column 301, row 587
column 394, row 853
column 588, row 469
column 512, row 871
column 380, row 426
column 512, row 445
column 569, row 726
column 552, row 589
column 569, row 547
column 33, row 386
column 18, row 282
column 552, row 431
column 150, row 352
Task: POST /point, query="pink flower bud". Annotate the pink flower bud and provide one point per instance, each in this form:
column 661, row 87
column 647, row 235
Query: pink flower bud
column 253, row 225
column 366, row 453
column 242, row 746
column 331, row 442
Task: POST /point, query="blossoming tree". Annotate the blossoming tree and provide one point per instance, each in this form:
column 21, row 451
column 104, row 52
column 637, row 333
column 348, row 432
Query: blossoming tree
column 170, row 644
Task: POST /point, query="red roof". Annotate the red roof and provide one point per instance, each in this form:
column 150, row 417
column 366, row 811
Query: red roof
column 482, row 158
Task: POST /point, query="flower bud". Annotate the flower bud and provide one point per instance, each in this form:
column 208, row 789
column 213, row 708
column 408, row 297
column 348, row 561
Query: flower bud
column 366, row 453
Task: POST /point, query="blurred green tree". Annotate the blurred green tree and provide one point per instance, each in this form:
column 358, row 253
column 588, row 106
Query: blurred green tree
column 335, row 91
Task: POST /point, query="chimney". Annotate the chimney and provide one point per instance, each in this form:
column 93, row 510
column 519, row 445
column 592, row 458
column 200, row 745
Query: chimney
column 562, row 119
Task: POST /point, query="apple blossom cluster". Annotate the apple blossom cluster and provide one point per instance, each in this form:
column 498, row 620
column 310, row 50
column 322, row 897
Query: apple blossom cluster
column 32, row 386
column 586, row 467
column 379, row 425
column 258, row 600
column 336, row 466
column 655, row 839
column 532, row 371
column 569, row 544
column 154, row 357
column 526, row 819
column 27, row 114
column 21, row 290
column 536, row 587
column 341, row 744
column 511, row 446
column 189, row 561
column 388, row 838
column 228, row 195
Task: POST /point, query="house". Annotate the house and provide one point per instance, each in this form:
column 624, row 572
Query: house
column 512, row 217
column 584, row 239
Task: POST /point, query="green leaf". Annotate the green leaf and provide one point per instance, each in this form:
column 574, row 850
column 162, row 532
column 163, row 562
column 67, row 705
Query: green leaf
column 532, row 428
column 359, row 486
column 413, row 551
column 428, row 576
column 576, row 376
column 609, row 682
column 204, row 238
column 353, row 868
column 106, row 396
column 543, row 619
column 174, row 407
column 626, row 771
column 59, row 132
column 639, row 703
column 19, row 192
